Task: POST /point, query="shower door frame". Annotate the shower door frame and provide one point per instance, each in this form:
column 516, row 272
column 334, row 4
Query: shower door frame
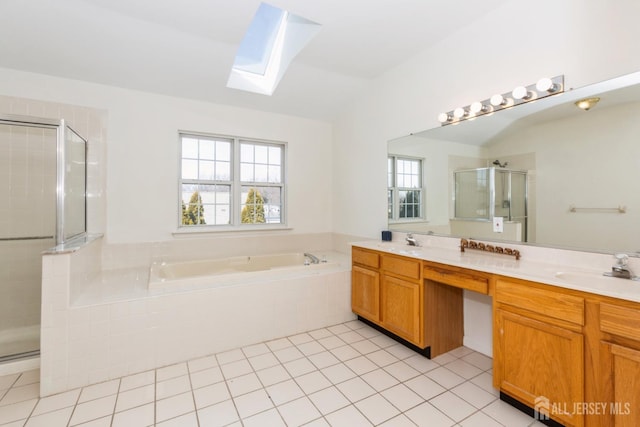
column 61, row 128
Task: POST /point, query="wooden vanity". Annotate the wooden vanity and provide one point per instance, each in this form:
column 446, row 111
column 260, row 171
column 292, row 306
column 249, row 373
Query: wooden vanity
column 572, row 355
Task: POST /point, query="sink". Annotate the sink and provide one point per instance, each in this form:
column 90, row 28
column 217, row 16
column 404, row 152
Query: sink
column 586, row 278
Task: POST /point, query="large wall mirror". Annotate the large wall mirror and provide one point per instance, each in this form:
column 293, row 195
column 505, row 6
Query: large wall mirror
column 557, row 175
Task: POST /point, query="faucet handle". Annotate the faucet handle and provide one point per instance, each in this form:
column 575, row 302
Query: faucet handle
column 621, row 259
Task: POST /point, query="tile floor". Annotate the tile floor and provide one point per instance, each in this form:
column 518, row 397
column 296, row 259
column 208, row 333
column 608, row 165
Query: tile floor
column 345, row 375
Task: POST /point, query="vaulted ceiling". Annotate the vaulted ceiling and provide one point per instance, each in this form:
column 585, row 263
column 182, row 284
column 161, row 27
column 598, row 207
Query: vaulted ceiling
column 186, row 48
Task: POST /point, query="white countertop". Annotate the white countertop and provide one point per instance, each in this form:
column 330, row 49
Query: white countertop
column 557, row 274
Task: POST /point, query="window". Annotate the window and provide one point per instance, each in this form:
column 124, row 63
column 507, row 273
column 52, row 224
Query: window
column 404, row 195
column 228, row 181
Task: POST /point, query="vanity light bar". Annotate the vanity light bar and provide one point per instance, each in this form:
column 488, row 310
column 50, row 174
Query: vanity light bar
column 520, row 95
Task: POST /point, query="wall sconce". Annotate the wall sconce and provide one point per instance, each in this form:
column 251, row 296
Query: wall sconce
column 520, row 95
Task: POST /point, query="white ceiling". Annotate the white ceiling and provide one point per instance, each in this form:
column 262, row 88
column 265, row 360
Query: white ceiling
column 186, row 47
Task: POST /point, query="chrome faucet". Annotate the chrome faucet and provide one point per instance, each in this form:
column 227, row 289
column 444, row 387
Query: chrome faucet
column 314, row 259
column 621, row 269
column 412, row 241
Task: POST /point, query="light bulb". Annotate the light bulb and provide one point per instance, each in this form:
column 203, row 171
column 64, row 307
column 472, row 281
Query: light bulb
column 459, row 113
column 444, row 117
column 521, row 92
column 546, row 85
column 477, row 107
column 498, row 100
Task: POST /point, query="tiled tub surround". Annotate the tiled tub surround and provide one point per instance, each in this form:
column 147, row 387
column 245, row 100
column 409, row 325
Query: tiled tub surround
column 342, row 375
column 99, row 323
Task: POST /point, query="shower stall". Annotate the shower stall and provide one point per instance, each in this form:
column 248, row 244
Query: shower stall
column 43, row 193
column 485, row 193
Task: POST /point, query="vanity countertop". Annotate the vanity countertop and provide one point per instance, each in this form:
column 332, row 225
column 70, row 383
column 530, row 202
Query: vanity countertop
column 561, row 275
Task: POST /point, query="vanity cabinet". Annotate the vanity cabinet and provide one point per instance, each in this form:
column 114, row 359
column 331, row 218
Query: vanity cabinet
column 539, row 348
column 365, row 284
column 620, row 362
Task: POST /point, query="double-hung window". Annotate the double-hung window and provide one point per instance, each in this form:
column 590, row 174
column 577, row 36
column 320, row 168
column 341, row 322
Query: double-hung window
column 405, row 190
column 228, row 181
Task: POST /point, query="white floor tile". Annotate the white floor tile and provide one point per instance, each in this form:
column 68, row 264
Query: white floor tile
column 210, row 395
column 140, row 416
column 474, row 394
column 351, row 337
column 59, row 417
column 173, row 386
column 320, row 422
column 301, row 338
column 206, row 377
column 299, row 367
column 329, row 400
column 379, row 379
column 218, row 415
column 383, row 341
column 382, row 358
column 460, row 351
column 202, row 363
column 273, row 375
column 463, row 369
column 174, row 406
column 398, row 421
column 485, row 381
column 421, row 363
column 402, row 397
column 331, row 342
column 507, row 414
column 270, row 418
column 29, row 377
column 279, row 344
column 445, row 377
column 401, row 371
column 93, row 409
column 288, row 354
column 365, row 347
column 324, row 359
column 230, row 356
column 312, row 382
column 97, row 391
column 186, row 420
column 338, row 373
column 57, row 401
column 251, row 403
column 244, row 384
column 7, row 381
column 377, row 409
column 346, row 352
column 318, row 334
column 356, row 389
column 100, row 422
column 236, row 368
column 348, row 416
column 138, row 380
column 453, row 406
column 425, row 387
column 426, row 415
column 255, row 350
column 310, row 348
column 284, row 392
column 21, row 394
column 338, row 329
column 478, row 360
column 400, row 351
column 171, row 371
column 136, row 397
column 480, row 419
column 299, row 412
column 368, row 332
column 263, row 361
column 361, row 365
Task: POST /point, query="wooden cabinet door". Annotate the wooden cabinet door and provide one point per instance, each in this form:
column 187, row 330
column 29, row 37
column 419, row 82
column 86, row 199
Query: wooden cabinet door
column 400, row 309
column 365, row 293
column 537, row 362
column 624, row 405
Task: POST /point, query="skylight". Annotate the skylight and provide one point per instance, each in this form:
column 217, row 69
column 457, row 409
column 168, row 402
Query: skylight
column 273, row 39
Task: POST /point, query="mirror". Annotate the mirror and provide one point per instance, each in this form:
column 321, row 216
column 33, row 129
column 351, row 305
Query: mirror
column 582, row 169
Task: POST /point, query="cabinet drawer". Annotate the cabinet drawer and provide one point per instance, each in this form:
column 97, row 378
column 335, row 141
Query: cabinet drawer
column 457, row 279
column 364, row 257
column 406, row 267
column 550, row 303
column 621, row 321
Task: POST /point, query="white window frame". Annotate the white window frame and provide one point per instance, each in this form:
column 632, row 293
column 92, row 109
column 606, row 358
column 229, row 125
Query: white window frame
column 236, row 184
column 394, row 190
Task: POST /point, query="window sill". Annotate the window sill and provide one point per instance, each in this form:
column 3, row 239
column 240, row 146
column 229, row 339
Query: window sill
column 228, row 230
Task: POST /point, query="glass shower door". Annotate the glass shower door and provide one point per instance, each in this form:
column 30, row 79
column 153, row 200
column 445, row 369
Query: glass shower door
column 27, row 227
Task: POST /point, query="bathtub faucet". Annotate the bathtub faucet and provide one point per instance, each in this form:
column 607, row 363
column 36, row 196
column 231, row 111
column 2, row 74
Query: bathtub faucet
column 314, row 259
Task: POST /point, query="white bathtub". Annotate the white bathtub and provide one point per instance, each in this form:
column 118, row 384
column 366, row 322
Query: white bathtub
column 235, row 270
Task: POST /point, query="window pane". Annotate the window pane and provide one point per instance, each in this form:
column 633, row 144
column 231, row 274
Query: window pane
column 261, row 154
column 261, row 205
column 246, row 153
column 223, row 171
column 189, row 169
column 206, row 170
column 207, row 149
column 206, row 204
column 275, row 155
column 189, row 148
column 246, row 172
column 223, row 151
column 261, row 173
column 275, row 174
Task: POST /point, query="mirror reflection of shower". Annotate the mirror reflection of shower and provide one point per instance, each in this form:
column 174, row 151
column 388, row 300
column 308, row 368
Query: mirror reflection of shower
column 44, row 168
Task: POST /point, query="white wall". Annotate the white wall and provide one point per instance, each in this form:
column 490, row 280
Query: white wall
column 142, row 152
column 586, row 40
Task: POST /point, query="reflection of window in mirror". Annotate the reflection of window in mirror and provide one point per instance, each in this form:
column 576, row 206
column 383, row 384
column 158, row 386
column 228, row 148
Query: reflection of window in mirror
column 405, row 188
